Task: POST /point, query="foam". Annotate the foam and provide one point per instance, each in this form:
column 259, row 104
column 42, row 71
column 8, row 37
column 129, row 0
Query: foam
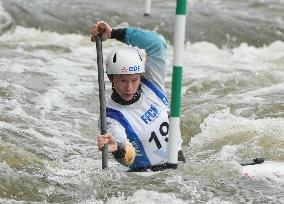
column 142, row 196
column 223, row 123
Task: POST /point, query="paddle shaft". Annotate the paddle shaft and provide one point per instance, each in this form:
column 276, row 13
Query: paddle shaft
column 101, row 80
column 252, row 161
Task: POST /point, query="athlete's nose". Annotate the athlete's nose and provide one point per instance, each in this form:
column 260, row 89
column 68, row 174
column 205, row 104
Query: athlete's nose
column 129, row 86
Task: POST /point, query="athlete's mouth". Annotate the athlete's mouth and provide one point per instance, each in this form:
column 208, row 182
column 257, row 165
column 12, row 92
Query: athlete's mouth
column 128, row 96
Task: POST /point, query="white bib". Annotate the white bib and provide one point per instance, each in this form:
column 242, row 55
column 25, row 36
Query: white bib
column 146, row 124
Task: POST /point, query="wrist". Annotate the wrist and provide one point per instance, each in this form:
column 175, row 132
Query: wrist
column 119, row 151
column 112, row 148
column 118, row 34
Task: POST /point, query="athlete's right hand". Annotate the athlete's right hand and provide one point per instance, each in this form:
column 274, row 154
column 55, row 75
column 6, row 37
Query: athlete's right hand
column 102, row 28
column 107, row 139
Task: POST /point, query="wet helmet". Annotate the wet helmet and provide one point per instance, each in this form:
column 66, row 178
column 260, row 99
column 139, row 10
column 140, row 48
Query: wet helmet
column 125, row 60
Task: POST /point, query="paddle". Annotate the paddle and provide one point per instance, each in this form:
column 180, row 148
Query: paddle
column 252, row 161
column 101, row 80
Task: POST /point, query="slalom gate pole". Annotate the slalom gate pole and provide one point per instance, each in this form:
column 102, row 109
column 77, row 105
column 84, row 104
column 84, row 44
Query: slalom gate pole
column 179, row 37
column 147, row 8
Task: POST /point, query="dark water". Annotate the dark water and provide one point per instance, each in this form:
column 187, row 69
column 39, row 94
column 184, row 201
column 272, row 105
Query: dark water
column 224, row 23
column 232, row 103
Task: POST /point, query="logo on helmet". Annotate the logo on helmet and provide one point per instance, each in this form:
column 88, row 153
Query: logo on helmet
column 131, row 69
column 134, row 69
column 124, row 69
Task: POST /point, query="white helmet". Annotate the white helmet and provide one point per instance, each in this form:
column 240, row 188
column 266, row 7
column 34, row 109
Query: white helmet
column 125, row 60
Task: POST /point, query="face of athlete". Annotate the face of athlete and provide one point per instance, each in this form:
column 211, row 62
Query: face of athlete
column 126, row 85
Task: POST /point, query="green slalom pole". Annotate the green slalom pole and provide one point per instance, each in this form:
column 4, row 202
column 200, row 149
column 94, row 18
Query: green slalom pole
column 179, row 36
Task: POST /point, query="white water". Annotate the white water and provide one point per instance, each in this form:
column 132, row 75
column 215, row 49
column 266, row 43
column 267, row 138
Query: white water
column 232, row 105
